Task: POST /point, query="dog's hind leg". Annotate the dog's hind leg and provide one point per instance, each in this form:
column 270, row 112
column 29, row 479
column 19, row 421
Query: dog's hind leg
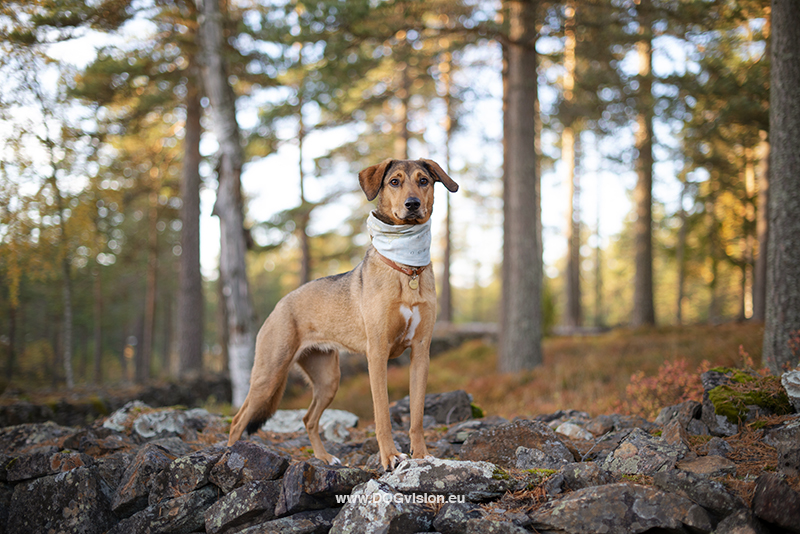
column 322, row 370
column 267, row 383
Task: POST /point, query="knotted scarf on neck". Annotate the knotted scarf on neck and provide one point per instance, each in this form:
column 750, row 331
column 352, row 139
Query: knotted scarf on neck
column 408, row 244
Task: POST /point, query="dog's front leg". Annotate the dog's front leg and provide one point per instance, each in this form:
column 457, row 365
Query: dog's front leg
column 377, row 362
column 418, row 381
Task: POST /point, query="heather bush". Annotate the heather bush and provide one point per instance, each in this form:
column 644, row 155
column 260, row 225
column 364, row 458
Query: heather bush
column 673, row 383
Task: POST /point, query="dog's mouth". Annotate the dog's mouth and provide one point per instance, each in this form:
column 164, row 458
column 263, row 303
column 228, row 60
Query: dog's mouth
column 418, row 216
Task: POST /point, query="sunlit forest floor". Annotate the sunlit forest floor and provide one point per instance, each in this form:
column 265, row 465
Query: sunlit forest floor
column 589, row 373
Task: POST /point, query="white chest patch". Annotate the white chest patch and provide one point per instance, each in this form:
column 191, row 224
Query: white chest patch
column 412, row 318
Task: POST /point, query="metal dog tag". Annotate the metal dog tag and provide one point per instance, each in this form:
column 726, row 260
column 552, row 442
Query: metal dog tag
column 413, row 283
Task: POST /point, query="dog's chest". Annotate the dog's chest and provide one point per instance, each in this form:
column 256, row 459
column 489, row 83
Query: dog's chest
column 411, row 318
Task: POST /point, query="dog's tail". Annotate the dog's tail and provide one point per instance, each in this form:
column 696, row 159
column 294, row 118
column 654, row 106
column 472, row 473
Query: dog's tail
column 261, row 403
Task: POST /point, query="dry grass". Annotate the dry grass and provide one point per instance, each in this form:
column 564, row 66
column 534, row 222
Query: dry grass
column 584, row 373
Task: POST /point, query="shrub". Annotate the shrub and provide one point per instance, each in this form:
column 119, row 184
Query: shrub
column 674, row 383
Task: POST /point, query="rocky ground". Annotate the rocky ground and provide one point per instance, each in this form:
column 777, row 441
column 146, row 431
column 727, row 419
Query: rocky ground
column 148, row 469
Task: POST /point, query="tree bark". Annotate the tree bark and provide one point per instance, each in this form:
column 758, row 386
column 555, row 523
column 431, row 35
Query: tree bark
column 302, row 226
column 190, row 295
column 762, row 233
column 783, row 262
column 97, row 374
column 643, row 308
column 680, row 253
column 521, row 315
column 229, row 205
column 446, row 296
column 145, row 352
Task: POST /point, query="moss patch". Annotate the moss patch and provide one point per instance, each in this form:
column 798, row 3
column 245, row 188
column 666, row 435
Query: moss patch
column 765, row 392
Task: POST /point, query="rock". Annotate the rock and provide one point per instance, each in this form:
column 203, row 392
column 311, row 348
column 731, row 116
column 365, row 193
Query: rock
column 312, row 522
column 602, row 424
column 788, row 459
column 536, row 459
column 641, row 454
column 132, row 493
column 685, row 413
column 498, row 445
column 741, row 522
column 180, row 515
column 477, row 481
column 445, row 408
column 718, row 425
column 146, row 423
column 184, row 475
column 460, row 432
column 563, row 416
column 453, row 516
column 708, row 493
column 789, row 433
column 718, row 447
column 72, row 502
column 285, row 421
column 245, row 506
column 573, row 431
column 97, row 442
column 490, row 526
column 15, row 440
column 708, row 466
column 43, row 462
column 375, row 507
column 675, row 434
column 246, row 461
column 628, row 508
column 111, row 469
column 585, row 474
column 313, row 485
column 775, row 502
column 790, row 380
column 122, row 419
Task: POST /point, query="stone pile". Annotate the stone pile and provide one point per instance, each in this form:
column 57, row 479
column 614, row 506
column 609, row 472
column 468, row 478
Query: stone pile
column 145, row 470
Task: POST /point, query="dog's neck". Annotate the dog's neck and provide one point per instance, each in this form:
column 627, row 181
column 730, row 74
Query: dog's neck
column 407, row 244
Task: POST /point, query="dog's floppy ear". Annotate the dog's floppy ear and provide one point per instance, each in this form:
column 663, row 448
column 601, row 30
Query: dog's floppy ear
column 439, row 175
column 371, row 178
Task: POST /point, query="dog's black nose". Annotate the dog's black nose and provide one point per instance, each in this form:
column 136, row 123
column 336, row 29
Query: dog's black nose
column 412, row 204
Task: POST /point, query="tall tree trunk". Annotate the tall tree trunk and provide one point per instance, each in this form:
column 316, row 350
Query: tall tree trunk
column 302, row 227
column 598, row 271
column 569, row 140
column 643, row 309
column 521, row 314
column 681, row 252
column 783, row 263
column 97, row 360
column 145, row 352
column 446, row 296
column 229, row 205
column 190, row 293
column 12, row 342
column 762, row 232
column 67, row 288
column 403, row 134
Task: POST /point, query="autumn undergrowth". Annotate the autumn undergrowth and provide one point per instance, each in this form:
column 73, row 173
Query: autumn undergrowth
column 621, row 371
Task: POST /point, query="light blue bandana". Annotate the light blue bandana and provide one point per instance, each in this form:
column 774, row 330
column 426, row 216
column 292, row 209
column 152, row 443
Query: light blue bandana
column 408, row 244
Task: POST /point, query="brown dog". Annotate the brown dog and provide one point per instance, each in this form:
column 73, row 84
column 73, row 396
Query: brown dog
column 380, row 308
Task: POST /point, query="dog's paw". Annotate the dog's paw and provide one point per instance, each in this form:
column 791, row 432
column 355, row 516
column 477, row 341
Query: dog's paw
column 334, row 461
column 395, row 461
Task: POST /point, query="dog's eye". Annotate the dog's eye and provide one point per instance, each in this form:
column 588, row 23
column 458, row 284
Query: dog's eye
column 394, row 181
column 423, row 181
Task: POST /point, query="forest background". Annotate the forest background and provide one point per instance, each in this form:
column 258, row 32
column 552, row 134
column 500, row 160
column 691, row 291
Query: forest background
column 650, row 140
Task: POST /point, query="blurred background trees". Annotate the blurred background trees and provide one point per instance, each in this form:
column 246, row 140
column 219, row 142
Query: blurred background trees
column 645, row 134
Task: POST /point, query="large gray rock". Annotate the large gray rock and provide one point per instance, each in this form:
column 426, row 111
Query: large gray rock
column 44, row 461
column 790, row 380
column 23, row 438
column 243, row 507
column 499, row 445
column 311, row 522
column 581, row 475
column 70, row 503
column 452, row 517
column 477, row 481
column 777, row 503
column 132, row 493
column 184, row 475
column 627, row 508
column 246, row 461
column 684, row 413
column 313, row 485
column 181, row 515
column 642, row 454
column 741, row 522
column 445, row 408
column 706, row 492
column 292, row 420
column 376, row 508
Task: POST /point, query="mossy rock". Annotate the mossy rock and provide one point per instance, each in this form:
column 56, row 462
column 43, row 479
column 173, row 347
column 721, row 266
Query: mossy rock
column 765, row 392
column 477, row 411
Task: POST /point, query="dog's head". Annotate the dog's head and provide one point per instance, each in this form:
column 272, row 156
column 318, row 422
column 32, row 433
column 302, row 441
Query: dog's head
column 404, row 189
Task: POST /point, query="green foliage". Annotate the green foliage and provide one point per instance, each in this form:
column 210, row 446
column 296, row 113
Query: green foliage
column 766, row 392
